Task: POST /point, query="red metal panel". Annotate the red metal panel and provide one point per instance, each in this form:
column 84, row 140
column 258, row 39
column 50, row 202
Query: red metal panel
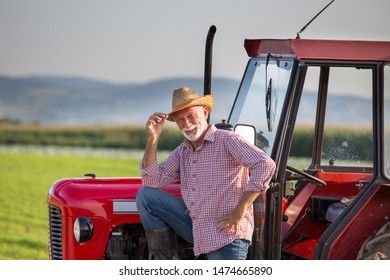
column 320, row 49
column 365, row 223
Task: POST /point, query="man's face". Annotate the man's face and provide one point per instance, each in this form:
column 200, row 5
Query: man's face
column 192, row 121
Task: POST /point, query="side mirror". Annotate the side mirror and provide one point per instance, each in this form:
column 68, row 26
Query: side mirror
column 247, row 131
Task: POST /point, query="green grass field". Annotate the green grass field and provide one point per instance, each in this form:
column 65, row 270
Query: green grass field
column 25, row 179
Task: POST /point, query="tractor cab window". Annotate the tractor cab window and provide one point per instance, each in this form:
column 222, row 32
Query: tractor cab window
column 334, row 125
column 348, row 127
column 261, row 96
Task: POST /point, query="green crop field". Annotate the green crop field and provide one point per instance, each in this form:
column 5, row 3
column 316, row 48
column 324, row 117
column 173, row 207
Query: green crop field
column 25, row 178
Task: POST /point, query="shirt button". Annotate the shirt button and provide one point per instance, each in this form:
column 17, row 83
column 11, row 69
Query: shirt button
column 194, row 161
column 194, row 175
column 193, row 189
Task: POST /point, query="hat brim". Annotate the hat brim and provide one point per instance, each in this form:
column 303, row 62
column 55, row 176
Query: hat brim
column 206, row 100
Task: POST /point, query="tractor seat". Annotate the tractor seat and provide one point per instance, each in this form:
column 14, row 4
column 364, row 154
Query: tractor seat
column 335, row 209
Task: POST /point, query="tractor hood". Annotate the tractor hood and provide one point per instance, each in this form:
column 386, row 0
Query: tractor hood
column 97, row 197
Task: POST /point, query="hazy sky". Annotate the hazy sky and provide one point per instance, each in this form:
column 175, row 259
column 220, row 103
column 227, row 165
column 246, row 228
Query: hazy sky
column 145, row 40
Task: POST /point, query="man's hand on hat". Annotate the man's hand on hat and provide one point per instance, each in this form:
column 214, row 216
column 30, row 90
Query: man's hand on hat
column 155, row 123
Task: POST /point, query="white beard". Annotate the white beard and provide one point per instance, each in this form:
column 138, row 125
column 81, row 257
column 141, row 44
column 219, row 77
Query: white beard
column 198, row 133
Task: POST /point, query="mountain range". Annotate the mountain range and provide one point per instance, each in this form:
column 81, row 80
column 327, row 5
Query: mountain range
column 81, row 101
column 74, row 100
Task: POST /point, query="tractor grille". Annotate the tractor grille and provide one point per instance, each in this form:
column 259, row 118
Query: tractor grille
column 55, row 233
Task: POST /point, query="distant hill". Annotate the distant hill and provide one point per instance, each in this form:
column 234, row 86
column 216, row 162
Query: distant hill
column 65, row 100
column 68, row 100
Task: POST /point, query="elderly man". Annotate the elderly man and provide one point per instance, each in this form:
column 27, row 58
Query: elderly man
column 220, row 175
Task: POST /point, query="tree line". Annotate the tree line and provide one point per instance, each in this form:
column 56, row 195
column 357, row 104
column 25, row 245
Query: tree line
column 135, row 137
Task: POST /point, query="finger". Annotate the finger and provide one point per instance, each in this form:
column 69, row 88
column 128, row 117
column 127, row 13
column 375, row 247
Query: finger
column 223, row 219
column 151, row 121
column 158, row 117
column 227, row 230
column 229, row 227
column 226, row 226
column 223, row 227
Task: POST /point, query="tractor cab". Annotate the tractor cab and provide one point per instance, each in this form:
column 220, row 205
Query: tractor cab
column 321, row 110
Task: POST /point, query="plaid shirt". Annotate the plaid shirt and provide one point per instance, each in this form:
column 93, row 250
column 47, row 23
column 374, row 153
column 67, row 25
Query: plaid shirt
column 213, row 179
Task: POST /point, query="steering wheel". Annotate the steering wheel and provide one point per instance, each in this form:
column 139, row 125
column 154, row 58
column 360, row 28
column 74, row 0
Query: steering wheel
column 304, row 175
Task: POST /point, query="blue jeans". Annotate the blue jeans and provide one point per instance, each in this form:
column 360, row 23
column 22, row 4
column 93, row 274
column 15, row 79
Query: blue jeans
column 160, row 209
column 237, row 250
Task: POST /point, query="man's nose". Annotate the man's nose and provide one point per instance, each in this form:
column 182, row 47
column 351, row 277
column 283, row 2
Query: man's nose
column 187, row 123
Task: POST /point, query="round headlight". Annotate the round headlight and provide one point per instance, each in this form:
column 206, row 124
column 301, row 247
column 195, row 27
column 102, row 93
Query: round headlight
column 83, row 229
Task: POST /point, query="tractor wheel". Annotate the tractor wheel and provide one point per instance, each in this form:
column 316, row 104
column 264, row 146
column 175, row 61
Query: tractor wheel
column 376, row 247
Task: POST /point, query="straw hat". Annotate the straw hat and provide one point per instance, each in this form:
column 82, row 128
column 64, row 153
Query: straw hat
column 185, row 97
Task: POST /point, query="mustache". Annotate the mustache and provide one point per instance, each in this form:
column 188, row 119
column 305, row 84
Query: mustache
column 191, row 127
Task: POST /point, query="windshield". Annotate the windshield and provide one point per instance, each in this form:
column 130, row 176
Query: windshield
column 260, row 98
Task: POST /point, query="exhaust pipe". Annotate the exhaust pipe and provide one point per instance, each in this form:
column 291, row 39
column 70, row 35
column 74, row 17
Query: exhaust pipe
column 208, row 60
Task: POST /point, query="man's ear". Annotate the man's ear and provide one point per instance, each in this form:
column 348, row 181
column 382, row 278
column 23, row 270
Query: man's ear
column 206, row 111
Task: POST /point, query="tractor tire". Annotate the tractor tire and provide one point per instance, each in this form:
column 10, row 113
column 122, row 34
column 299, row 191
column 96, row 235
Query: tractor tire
column 376, row 247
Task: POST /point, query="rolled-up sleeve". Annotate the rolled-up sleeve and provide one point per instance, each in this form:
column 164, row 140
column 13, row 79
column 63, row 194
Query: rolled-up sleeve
column 158, row 175
column 149, row 174
column 261, row 167
column 261, row 174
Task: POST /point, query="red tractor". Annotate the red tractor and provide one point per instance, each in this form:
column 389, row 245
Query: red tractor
column 321, row 110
